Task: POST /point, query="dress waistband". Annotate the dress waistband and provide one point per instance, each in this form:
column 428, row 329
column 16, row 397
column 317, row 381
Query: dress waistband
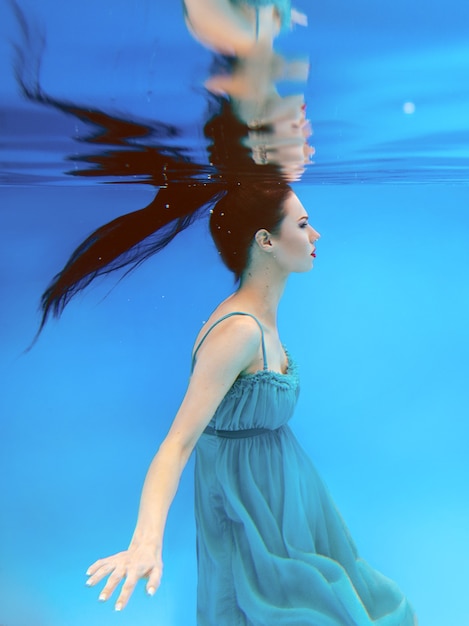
column 238, row 434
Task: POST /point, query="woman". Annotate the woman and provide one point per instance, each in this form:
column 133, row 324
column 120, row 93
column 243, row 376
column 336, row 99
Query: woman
column 272, row 548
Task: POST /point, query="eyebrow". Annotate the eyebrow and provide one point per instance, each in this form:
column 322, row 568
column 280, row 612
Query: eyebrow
column 303, row 217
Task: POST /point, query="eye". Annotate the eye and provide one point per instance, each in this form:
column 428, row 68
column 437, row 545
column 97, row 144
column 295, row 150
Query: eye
column 303, row 224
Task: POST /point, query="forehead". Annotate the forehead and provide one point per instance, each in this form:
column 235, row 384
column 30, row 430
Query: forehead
column 293, row 207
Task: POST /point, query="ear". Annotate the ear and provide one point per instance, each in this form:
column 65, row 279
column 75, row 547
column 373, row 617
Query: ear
column 263, row 239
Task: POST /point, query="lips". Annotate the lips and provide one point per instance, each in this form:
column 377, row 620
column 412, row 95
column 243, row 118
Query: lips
column 313, row 254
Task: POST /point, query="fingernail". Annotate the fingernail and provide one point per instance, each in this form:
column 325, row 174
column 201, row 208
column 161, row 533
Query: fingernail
column 88, row 583
column 151, row 591
column 102, row 597
column 118, row 606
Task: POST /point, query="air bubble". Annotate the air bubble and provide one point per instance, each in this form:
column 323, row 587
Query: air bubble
column 408, row 108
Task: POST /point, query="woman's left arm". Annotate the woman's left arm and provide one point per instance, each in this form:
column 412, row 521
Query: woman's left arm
column 223, row 357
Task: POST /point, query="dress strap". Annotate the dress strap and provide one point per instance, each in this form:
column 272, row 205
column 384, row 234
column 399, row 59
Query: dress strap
column 264, row 356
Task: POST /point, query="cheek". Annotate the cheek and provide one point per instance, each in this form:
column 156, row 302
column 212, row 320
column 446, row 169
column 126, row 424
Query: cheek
column 296, row 246
column 292, row 246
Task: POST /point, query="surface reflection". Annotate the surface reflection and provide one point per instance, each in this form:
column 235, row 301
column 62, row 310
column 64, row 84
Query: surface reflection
column 243, row 101
column 277, row 128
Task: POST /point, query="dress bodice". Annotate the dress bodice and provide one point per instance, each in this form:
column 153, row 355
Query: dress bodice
column 264, row 399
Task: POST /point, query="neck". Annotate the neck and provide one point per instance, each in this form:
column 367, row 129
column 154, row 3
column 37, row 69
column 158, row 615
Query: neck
column 261, row 293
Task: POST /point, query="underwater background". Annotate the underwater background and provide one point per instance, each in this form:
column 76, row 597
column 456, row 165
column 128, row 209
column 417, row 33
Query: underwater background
column 379, row 328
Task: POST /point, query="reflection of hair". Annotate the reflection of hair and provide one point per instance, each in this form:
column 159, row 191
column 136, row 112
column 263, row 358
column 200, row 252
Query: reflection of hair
column 246, row 208
column 228, row 149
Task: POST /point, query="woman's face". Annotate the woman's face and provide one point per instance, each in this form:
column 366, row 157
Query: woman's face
column 294, row 245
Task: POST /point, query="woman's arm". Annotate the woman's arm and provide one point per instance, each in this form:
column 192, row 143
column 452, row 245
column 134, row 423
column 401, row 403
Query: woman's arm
column 229, row 349
column 231, row 29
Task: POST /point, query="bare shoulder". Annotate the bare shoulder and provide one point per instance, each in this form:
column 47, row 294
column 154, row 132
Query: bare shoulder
column 228, row 349
column 235, row 339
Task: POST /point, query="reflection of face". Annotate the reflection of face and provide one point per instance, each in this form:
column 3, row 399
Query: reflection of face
column 283, row 139
column 295, row 243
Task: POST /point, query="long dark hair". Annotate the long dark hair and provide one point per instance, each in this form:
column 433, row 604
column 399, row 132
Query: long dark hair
column 237, row 212
column 126, row 242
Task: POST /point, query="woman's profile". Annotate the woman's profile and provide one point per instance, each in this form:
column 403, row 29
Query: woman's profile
column 271, row 545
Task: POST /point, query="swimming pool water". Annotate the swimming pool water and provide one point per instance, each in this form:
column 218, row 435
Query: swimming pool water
column 379, row 328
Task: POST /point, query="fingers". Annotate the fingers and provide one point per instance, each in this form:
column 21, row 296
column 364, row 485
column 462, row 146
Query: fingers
column 126, row 591
column 131, row 578
column 119, row 568
column 112, row 582
column 101, row 568
column 96, row 566
column 98, row 571
column 154, row 580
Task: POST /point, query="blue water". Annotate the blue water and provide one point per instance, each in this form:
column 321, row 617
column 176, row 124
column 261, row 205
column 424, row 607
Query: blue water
column 379, row 328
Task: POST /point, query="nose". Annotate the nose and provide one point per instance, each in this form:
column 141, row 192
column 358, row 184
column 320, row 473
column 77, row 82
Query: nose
column 314, row 235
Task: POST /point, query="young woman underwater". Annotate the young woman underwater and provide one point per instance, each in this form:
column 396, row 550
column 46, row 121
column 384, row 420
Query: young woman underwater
column 271, row 546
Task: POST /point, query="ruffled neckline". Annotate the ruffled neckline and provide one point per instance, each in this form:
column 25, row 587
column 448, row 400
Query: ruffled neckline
column 287, row 382
column 280, row 379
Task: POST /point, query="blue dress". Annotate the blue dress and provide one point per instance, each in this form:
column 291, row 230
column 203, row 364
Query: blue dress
column 272, row 548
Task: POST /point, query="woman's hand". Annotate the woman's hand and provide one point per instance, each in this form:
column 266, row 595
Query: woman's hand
column 131, row 565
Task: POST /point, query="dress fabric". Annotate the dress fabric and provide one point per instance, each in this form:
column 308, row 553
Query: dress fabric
column 283, row 8
column 272, row 549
